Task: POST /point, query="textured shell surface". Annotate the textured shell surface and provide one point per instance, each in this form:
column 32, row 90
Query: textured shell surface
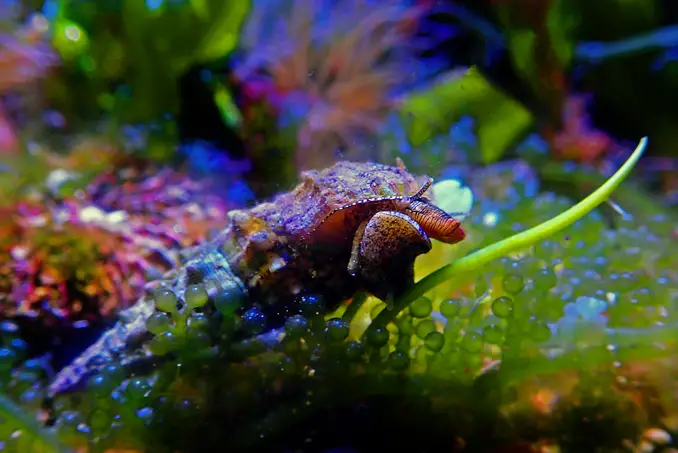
column 125, row 341
column 270, row 253
column 301, row 241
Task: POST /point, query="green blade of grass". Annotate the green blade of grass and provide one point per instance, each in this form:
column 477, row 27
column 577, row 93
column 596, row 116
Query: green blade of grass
column 519, row 241
column 41, row 440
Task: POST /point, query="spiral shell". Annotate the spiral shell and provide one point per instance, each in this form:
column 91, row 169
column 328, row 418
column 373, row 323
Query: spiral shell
column 307, row 240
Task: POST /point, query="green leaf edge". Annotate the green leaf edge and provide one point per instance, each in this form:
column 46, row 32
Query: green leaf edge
column 10, row 412
column 511, row 244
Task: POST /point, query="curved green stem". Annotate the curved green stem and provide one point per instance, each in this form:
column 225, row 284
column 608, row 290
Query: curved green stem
column 511, row 244
column 10, row 413
column 635, row 200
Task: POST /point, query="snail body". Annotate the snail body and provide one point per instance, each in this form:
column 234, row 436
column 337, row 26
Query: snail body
column 353, row 226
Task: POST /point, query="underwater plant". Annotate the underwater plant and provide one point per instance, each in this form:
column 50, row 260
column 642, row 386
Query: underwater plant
column 329, row 79
column 112, row 54
column 511, row 325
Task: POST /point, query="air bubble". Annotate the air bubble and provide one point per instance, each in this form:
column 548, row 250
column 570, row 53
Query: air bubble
column 481, row 286
column 378, row 337
column 100, row 421
column 450, row 308
column 547, row 250
column 354, row 351
column 493, row 330
column 472, row 342
column 405, row 325
column 641, row 296
column 101, row 384
column 544, row 279
column 512, row 266
column 137, row 388
column 253, row 321
column 399, row 360
column 453, row 330
column 473, row 362
column 311, row 305
column 424, row 328
column 7, row 359
column 31, row 399
column 513, row 284
column 68, row 425
column 538, row 331
column 296, row 327
column 163, row 343
column 197, row 322
column 228, row 300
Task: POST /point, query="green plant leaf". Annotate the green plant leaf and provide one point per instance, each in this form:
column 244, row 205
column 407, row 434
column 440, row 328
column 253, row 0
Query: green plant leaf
column 519, row 241
column 521, row 43
column 561, row 22
column 144, row 49
column 223, row 20
column 500, row 118
column 34, row 438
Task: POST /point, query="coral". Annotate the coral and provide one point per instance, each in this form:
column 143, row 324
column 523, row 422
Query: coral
column 332, row 76
column 577, row 140
column 82, row 258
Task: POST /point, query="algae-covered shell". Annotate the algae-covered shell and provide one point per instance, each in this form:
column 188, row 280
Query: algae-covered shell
column 126, row 340
column 311, row 240
column 301, row 241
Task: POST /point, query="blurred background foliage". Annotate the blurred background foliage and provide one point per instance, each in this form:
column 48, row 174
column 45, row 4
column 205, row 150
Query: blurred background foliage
column 128, row 57
column 586, row 76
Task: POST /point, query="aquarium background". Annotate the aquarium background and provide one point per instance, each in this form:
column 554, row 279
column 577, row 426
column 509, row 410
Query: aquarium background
column 129, row 129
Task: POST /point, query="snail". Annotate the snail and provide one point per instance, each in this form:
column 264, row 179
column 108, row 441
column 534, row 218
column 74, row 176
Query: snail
column 352, row 226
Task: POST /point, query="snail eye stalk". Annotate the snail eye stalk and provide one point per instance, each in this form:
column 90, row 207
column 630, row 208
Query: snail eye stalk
column 423, row 189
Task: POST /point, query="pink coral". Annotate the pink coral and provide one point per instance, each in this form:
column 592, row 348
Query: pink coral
column 85, row 257
column 578, row 140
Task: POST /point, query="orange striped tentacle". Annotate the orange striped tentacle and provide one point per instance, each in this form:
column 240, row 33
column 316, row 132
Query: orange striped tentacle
column 436, row 222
